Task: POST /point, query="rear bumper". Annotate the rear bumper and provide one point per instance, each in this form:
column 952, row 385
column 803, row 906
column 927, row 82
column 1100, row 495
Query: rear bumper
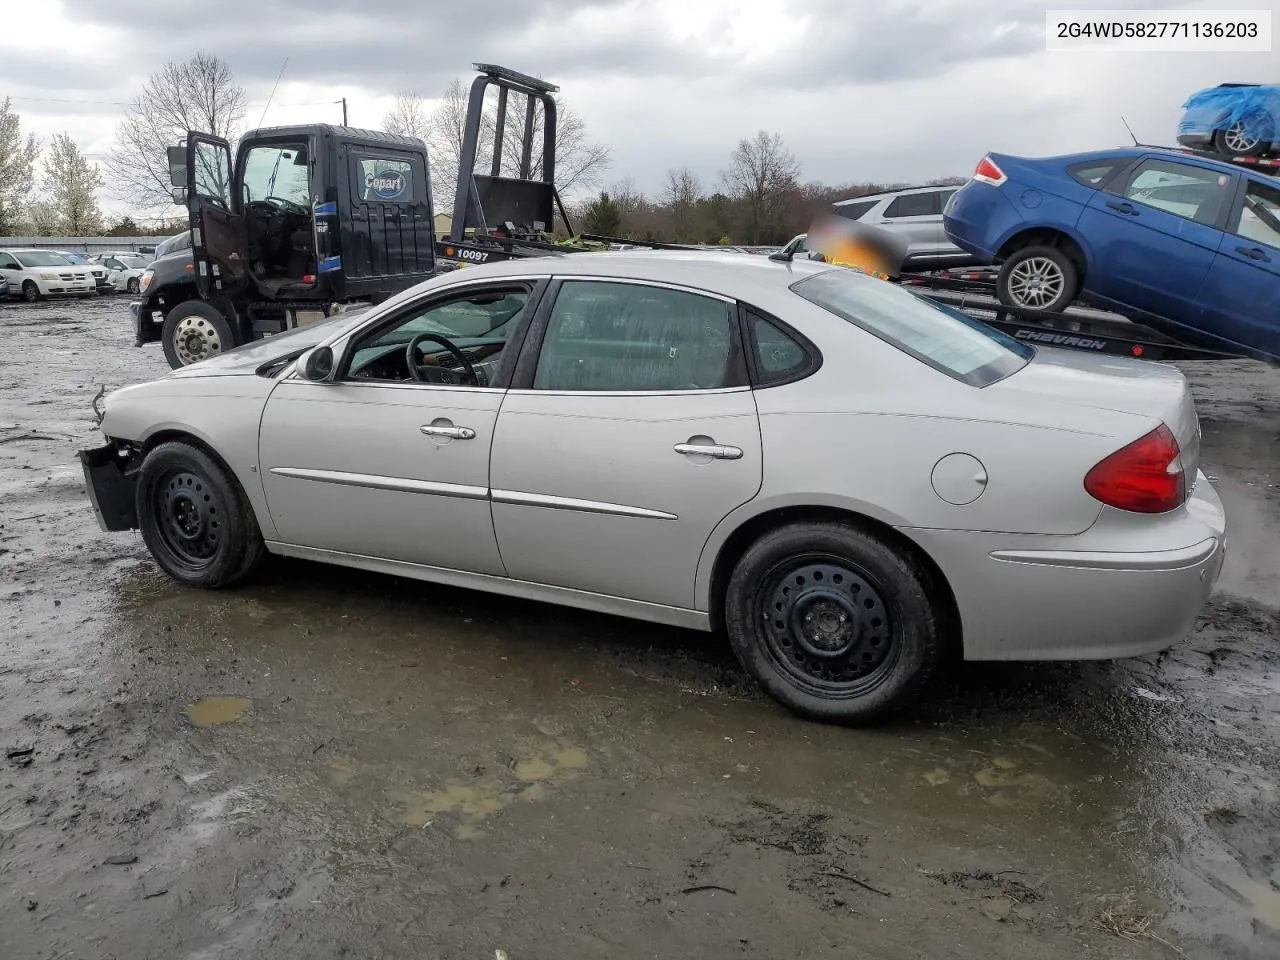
column 1197, row 138
column 111, row 486
column 1077, row 598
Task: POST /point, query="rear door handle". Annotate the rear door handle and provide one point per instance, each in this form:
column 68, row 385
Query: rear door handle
column 1253, row 253
column 720, row 451
column 1122, row 207
column 454, row 433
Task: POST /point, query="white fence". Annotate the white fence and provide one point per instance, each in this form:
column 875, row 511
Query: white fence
column 83, row 244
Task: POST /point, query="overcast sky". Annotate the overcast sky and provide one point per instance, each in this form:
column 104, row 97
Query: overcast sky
column 890, row 90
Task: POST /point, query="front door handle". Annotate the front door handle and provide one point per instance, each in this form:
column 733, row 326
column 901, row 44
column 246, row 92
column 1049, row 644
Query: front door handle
column 720, row 451
column 1122, row 207
column 453, row 433
column 1253, row 253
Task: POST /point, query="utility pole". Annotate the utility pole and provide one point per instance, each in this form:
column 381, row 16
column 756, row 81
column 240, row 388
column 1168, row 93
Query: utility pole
column 344, row 111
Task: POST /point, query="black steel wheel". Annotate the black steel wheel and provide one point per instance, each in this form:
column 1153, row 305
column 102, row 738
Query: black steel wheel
column 195, row 519
column 133, row 286
column 825, row 625
column 834, row 622
column 30, row 292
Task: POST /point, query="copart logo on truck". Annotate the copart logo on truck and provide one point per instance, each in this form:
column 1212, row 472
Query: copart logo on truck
column 386, row 184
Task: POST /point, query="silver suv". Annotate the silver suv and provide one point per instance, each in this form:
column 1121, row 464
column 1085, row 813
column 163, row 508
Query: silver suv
column 915, row 214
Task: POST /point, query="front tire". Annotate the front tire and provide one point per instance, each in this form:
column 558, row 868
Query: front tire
column 1038, row 278
column 31, row 292
column 833, row 622
column 194, row 331
column 133, row 286
column 195, row 518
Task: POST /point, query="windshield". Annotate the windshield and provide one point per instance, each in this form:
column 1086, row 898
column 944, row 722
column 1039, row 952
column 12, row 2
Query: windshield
column 39, row 258
column 942, row 337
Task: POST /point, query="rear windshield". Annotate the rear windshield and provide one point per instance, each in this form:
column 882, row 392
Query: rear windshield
column 942, row 337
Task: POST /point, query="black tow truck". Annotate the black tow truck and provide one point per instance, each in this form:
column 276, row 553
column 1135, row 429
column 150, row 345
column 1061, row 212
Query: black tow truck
column 307, row 221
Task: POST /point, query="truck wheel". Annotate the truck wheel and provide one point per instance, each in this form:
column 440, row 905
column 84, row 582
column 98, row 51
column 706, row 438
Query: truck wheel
column 1038, row 278
column 194, row 517
column 833, row 622
column 30, row 292
column 194, row 331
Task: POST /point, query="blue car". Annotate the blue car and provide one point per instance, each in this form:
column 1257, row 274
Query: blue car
column 4, row 289
column 1235, row 119
column 1185, row 244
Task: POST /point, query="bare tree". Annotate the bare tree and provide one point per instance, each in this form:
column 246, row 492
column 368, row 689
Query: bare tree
column 407, row 116
column 70, row 183
column 44, row 219
column 448, row 128
column 680, row 196
column 762, row 173
column 17, row 161
column 198, row 94
column 579, row 162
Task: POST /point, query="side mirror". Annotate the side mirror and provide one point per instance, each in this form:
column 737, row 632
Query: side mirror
column 179, row 195
column 177, row 166
column 318, row 365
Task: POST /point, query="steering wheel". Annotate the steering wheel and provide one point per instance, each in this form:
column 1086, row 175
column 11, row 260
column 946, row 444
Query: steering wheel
column 288, row 204
column 432, row 373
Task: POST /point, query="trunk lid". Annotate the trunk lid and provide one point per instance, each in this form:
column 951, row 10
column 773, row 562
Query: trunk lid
column 1142, row 387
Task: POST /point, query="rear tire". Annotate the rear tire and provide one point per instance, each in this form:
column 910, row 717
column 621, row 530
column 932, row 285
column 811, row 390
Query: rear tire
column 194, row 331
column 834, row 623
column 1235, row 142
column 1038, row 278
column 194, row 517
column 30, row 292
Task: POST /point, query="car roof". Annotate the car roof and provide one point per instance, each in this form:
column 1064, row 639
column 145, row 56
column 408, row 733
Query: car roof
column 728, row 274
column 927, row 188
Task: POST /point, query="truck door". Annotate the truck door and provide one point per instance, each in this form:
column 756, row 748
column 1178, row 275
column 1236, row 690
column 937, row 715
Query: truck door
column 219, row 242
column 390, row 230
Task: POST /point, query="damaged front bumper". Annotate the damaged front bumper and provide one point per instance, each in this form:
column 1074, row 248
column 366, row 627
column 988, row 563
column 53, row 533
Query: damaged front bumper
column 111, row 477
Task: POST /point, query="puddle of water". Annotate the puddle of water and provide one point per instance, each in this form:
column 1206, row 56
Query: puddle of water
column 546, row 766
column 1264, row 900
column 211, row 711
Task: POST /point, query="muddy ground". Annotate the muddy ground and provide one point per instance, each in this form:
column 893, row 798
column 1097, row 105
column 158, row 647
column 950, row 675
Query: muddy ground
column 332, row 764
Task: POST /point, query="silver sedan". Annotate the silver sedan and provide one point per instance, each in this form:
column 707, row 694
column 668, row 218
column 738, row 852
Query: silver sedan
column 848, row 480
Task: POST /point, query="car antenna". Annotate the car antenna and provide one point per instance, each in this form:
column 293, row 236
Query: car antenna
column 1130, row 129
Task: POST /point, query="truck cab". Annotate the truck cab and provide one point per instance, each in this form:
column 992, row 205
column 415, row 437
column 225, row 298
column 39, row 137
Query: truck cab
column 300, row 222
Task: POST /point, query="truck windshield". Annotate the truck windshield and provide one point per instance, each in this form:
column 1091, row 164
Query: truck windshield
column 41, row 259
column 277, row 170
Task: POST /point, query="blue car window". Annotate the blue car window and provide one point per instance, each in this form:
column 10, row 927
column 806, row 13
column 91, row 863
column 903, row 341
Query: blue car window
column 1260, row 217
column 1195, row 193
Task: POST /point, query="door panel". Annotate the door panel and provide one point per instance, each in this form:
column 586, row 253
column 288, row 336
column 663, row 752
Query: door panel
column 590, row 492
column 1241, row 297
column 349, row 467
column 391, row 227
column 219, row 240
column 1155, row 237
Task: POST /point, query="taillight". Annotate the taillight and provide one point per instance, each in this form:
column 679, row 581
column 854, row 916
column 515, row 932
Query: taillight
column 1144, row 477
column 988, row 172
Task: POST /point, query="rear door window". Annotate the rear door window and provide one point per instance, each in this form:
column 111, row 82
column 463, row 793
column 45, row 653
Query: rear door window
column 913, row 205
column 383, row 180
column 1195, row 193
column 624, row 337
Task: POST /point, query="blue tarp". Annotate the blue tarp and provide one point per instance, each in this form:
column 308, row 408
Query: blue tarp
column 1221, row 107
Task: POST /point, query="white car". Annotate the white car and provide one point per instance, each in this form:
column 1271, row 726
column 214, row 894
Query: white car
column 33, row 274
column 125, row 271
column 848, row 480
